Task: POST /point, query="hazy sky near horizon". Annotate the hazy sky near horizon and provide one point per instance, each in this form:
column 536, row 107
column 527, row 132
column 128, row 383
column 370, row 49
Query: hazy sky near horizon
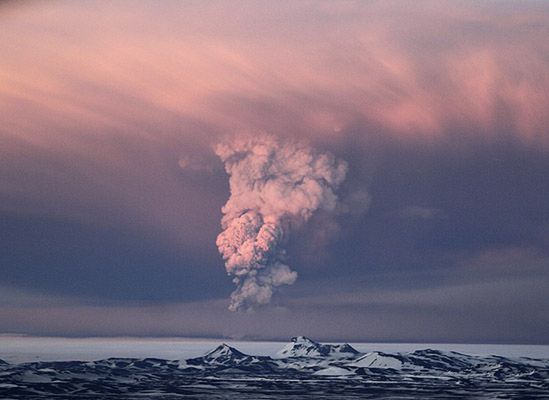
column 111, row 193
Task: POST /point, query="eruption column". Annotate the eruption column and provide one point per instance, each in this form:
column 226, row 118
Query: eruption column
column 274, row 186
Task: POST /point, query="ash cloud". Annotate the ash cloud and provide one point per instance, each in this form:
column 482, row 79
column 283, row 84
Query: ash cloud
column 275, row 185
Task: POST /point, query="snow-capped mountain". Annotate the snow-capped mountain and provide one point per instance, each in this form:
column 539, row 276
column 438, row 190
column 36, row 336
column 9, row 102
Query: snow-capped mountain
column 225, row 359
column 302, row 367
column 301, row 346
column 223, row 354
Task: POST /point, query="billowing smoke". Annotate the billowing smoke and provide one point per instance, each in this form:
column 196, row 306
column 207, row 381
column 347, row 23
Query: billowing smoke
column 275, row 185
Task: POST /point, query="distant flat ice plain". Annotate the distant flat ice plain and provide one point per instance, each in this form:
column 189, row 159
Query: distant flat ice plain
column 18, row 349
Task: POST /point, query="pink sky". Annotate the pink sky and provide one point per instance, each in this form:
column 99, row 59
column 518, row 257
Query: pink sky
column 110, row 111
column 315, row 68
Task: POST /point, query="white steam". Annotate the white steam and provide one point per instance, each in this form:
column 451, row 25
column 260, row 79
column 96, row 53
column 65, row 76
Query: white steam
column 274, row 185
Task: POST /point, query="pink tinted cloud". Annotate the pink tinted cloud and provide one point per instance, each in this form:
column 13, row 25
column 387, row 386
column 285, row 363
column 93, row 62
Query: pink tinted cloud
column 100, row 104
column 413, row 71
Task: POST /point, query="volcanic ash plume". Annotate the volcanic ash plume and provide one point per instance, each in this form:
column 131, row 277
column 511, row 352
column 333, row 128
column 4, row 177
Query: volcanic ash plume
column 274, row 185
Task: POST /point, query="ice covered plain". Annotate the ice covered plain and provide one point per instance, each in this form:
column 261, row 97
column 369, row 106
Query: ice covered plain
column 39, row 368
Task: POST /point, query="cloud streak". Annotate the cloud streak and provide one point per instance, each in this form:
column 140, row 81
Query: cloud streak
column 442, row 68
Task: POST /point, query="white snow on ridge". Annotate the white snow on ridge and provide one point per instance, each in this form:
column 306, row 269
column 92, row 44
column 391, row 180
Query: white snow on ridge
column 377, row 360
column 301, row 346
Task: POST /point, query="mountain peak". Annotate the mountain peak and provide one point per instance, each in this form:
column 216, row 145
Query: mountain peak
column 304, row 340
column 224, row 350
column 302, row 346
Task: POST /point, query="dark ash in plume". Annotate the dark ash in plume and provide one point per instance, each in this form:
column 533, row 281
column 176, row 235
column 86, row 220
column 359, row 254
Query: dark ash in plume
column 274, row 184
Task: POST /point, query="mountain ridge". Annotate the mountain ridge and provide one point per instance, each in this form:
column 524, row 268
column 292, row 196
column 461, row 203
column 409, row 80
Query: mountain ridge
column 302, row 346
column 300, row 361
